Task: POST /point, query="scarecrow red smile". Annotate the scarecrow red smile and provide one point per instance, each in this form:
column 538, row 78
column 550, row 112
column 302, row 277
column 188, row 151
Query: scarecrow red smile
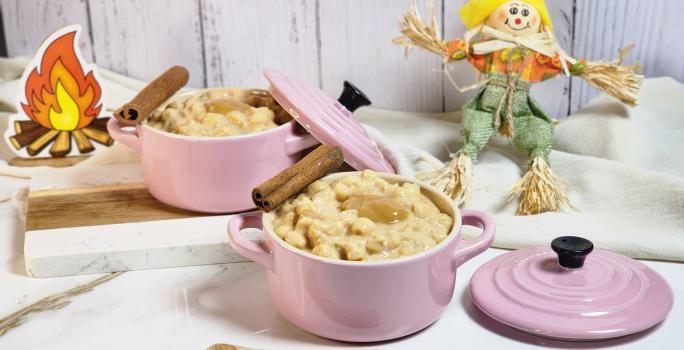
column 517, row 18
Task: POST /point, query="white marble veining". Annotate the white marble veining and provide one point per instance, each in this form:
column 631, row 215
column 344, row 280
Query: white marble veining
column 130, row 246
column 194, row 307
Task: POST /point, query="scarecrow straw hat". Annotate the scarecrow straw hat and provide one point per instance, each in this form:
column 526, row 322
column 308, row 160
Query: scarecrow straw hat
column 475, row 12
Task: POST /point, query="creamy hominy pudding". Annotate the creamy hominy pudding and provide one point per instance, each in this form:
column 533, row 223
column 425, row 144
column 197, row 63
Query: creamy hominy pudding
column 362, row 218
column 218, row 112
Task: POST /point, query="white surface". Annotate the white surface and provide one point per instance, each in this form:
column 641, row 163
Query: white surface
column 194, row 307
column 130, row 246
column 229, row 42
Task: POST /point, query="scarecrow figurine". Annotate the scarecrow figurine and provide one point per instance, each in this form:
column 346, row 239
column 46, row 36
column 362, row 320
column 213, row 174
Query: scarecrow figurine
column 511, row 43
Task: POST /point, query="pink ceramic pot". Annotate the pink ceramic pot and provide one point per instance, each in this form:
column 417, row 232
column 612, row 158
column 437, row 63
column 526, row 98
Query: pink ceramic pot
column 363, row 301
column 211, row 174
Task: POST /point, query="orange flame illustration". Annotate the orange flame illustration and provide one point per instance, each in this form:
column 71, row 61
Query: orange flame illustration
column 60, row 95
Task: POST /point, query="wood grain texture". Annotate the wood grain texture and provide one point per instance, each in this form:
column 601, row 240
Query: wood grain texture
column 142, row 39
column 99, row 205
column 28, row 22
column 356, row 45
column 462, row 72
column 323, row 42
column 603, row 27
column 554, row 95
column 244, row 37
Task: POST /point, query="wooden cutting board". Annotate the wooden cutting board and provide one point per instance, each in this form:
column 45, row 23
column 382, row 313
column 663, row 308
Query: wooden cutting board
column 96, row 219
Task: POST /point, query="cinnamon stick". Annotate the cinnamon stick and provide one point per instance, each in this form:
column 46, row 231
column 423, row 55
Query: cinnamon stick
column 272, row 193
column 152, row 96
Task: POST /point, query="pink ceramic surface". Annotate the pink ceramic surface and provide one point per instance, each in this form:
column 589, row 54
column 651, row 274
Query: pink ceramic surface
column 363, row 301
column 328, row 121
column 610, row 296
column 211, row 174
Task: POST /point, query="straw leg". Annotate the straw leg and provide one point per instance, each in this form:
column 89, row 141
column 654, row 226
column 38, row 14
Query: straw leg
column 456, row 177
column 540, row 190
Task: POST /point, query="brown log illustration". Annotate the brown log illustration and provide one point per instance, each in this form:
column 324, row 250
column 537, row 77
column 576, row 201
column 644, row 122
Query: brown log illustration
column 38, row 144
column 100, row 122
column 24, row 125
column 62, row 145
column 22, row 139
column 82, row 143
column 101, row 137
column 36, row 138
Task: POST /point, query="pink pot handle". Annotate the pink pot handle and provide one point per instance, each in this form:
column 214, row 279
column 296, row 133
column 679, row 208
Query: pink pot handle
column 128, row 138
column 245, row 247
column 469, row 249
column 298, row 143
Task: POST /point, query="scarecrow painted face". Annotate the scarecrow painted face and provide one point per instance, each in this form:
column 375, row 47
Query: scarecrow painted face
column 516, row 18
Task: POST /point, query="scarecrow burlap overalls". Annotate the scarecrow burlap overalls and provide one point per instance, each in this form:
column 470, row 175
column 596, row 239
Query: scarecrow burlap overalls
column 504, row 103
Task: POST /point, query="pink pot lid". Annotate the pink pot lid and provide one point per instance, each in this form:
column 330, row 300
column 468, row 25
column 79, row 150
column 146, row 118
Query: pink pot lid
column 557, row 293
column 328, row 121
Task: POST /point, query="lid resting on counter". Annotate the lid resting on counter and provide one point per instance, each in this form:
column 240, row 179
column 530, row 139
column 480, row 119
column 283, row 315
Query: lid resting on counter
column 328, row 120
column 571, row 291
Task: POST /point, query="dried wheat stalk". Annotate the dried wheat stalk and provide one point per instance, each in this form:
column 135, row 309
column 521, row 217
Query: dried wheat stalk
column 454, row 179
column 53, row 302
column 621, row 82
column 540, row 190
column 416, row 34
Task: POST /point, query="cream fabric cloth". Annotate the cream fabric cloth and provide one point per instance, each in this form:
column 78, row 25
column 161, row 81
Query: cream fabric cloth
column 625, row 165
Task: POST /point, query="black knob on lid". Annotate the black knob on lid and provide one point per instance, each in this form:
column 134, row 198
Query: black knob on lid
column 572, row 251
column 352, row 98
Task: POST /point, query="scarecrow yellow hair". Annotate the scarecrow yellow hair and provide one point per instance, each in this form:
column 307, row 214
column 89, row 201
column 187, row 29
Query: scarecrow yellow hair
column 475, row 12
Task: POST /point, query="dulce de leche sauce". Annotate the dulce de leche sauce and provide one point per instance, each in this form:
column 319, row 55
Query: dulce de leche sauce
column 362, row 218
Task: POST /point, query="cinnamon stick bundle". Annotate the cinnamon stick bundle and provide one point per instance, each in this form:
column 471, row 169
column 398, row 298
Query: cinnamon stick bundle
column 272, row 193
column 152, row 96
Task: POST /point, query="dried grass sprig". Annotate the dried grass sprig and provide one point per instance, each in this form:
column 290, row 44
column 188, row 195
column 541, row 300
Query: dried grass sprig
column 540, row 190
column 454, row 179
column 52, row 302
column 417, row 34
column 621, row 82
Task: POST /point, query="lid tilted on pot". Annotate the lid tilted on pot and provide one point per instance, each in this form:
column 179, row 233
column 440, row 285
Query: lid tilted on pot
column 330, row 121
column 571, row 291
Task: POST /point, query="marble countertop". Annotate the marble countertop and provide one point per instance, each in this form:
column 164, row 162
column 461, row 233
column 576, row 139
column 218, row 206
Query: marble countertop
column 194, row 307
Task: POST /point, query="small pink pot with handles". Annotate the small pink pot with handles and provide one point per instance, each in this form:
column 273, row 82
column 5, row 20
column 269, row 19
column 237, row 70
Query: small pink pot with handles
column 363, row 301
column 211, row 174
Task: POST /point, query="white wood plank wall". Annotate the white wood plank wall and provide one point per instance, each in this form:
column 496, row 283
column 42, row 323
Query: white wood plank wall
column 323, row 42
